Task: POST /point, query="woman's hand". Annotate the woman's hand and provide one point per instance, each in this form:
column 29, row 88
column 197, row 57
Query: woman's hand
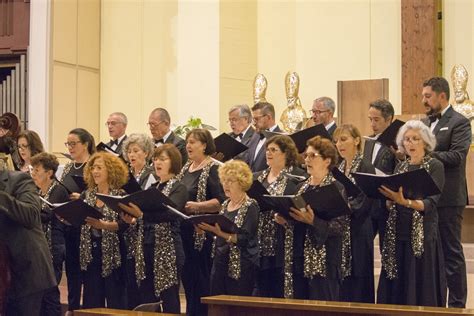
column 62, row 220
column 191, row 208
column 127, row 218
column 74, row 196
column 199, row 230
column 280, row 220
column 216, row 229
column 131, row 209
column 96, row 223
column 395, row 196
column 304, row 217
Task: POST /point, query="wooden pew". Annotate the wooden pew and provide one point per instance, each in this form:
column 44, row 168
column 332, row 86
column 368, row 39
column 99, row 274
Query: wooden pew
column 116, row 312
column 227, row 305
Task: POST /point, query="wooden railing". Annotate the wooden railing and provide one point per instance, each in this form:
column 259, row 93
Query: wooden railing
column 226, row 305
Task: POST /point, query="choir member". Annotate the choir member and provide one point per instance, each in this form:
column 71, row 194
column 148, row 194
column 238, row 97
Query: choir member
column 101, row 247
column 159, row 244
column 44, row 167
column 81, row 145
column 358, row 283
column 236, row 254
column 412, row 258
column 29, row 144
column 138, row 149
column 274, row 270
column 205, row 195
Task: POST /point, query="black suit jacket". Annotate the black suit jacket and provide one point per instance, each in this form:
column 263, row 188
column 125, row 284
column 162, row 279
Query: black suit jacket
column 180, row 144
column 118, row 150
column 260, row 161
column 385, row 160
column 453, row 139
column 21, row 232
column 332, row 129
column 246, row 141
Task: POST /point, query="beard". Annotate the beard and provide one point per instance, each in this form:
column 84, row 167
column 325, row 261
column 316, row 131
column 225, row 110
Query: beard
column 432, row 110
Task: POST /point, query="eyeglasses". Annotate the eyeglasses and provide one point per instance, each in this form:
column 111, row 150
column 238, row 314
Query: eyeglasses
column 23, row 146
column 257, row 118
column 228, row 181
column 311, row 156
column 154, row 125
column 234, row 119
column 112, row 123
column 413, row 140
column 71, row 144
column 317, row 112
column 272, row 149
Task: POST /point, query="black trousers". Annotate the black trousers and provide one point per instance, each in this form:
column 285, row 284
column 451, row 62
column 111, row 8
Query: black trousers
column 101, row 291
column 73, row 269
column 450, row 223
column 270, row 283
column 25, row 306
column 51, row 305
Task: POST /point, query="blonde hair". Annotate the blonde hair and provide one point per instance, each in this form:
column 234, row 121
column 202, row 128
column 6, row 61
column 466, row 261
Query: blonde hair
column 238, row 170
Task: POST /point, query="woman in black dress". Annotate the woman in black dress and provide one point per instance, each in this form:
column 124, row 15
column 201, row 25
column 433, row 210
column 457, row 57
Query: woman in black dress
column 413, row 270
column 205, row 195
column 138, row 149
column 236, row 254
column 358, row 277
column 44, row 167
column 277, row 276
column 81, row 145
column 101, row 246
column 158, row 244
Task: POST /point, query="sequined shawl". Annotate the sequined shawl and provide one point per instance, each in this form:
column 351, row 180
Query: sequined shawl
column 389, row 261
column 346, row 263
column 110, row 242
column 44, row 206
column 234, row 269
column 201, row 194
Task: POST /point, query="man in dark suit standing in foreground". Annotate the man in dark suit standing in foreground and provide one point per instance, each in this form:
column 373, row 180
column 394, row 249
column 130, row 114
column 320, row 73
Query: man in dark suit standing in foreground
column 117, row 125
column 453, row 139
column 20, row 230
column 159, row 123
column 263, row 114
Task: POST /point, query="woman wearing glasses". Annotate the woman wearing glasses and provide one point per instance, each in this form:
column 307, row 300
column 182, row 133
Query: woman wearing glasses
column 274, row 272
column 157, row 246
column 358, row 245
column 29, row 144
column 413, row 270
column 138, row 149
column 81, row 145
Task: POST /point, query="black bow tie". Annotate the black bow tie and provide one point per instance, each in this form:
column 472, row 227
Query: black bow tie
column 159, row 141
column 241, row 135
column 114, row 142
column 262, row 136
column 434, row 117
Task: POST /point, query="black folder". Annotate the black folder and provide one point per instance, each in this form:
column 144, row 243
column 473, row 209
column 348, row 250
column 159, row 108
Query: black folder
column 75, row 212
column 104, row 147
column 79, row 180
column 225, row 224
column 62, row 184
column 132, row 185
column 257, row 192
column 326, row 201
column 150, row 200
column 417, row 184
column 389, row 135
column 352, row 190
column 228, row 146
column 301, row 137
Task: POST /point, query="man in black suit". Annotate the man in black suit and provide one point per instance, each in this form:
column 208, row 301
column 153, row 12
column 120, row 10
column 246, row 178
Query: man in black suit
column 20, row 230
column 383, row 158
column 159, row 122
column 323, row 113
column 263, row 114
column 240, row 119
column 117, row 125
column 453, row 139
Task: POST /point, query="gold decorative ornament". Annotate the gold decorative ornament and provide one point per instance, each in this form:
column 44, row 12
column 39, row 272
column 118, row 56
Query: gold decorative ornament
column 259, row 89
column 462, row 104
column 294, row 116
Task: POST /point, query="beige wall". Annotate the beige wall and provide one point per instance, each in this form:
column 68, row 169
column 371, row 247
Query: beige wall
column 458, row 38
column 75, row 67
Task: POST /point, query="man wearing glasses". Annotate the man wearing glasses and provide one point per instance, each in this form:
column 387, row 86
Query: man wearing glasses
column 240, row 119
column 323, row 113
column 263, row 114
column 159, row 123
column 116, row 125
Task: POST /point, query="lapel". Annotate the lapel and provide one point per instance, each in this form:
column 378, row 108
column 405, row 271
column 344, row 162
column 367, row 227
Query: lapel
column 369, row 148
column 170, row 139
column 248, row 136
column 444, row 120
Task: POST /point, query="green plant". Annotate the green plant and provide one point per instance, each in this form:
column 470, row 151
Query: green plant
column 192, row 123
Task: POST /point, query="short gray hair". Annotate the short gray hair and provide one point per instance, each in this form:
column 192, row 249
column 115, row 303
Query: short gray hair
column 327, row 102
column 428, row 138
column 122, row 116
column 142, row 140
column 244, row 111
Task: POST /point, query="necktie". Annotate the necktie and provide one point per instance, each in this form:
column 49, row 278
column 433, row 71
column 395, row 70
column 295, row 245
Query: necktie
column 114, row 142
column 434, row 117
column 262, row 136
column 241, row 135
column 159, row 141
